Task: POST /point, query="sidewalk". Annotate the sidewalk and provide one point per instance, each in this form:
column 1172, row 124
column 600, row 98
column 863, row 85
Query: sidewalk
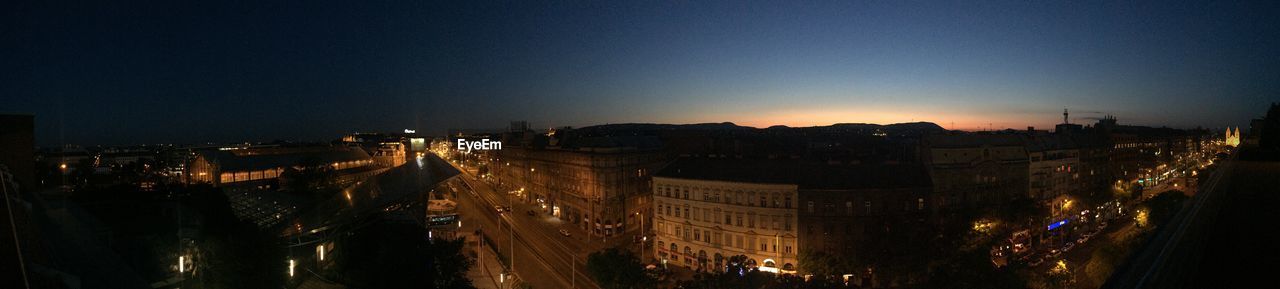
column 486, row 272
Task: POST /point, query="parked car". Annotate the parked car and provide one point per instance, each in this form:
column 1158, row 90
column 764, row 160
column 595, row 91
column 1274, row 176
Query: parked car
column 1036, row 262
column 1068, row 247
column 1083, row 239
column 529, row 212
column 563, row 232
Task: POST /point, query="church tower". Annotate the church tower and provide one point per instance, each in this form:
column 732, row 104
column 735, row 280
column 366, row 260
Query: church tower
column 1232, row 137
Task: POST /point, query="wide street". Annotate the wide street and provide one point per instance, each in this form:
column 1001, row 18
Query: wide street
column 544, row 258
column 1174, row 252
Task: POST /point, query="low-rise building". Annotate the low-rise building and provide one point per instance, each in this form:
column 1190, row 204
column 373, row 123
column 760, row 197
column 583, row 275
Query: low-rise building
column 263, row 166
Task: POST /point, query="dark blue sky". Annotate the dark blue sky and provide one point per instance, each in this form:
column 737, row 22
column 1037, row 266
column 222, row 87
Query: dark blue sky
column 135, row 72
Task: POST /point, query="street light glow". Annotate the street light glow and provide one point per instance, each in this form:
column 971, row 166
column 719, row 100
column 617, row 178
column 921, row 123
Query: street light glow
column 182, row 264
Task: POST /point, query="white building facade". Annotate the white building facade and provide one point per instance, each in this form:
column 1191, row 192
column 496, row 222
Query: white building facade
column 700, row 224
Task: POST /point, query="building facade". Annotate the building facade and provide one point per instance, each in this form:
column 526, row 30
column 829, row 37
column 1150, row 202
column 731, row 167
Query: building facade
column 703, row 217
column 976, row 170
column 17, row 149
column 844, row 206
column 605, row 191
column 1053, row 167
column 263, row 167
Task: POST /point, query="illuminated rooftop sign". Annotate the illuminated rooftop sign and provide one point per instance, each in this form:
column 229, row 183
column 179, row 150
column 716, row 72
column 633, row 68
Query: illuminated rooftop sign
column 442, row 220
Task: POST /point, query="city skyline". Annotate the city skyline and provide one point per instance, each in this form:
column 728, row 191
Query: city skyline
column 758, row 144
column 167, row 70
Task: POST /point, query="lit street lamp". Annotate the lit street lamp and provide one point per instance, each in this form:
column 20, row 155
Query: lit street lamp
column 643, row 236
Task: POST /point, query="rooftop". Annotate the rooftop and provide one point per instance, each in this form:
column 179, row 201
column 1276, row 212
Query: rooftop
column 807, row 175
column 274, row 157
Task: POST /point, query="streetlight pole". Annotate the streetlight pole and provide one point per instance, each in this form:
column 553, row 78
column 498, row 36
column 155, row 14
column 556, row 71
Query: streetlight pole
column 573, row 271
column 642, row 235
column 511, row 229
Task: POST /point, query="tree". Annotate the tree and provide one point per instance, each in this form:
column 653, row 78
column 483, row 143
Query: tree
column 1060, row 276
column 390, row 255
column 1102, row 262
column 972, row 269
column 1165, row 205
column 738, row 278
column 617, row 268
column 235, row 253
column 821, row 264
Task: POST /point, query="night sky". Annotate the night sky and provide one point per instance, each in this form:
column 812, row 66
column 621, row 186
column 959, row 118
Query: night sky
column 195, row 71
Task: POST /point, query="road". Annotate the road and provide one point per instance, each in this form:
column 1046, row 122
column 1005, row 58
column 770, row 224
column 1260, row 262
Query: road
column 561, row 258
column 1176, row 249
column 528, row 266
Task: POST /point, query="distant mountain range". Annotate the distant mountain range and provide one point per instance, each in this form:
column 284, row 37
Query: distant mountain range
column 911, row 128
